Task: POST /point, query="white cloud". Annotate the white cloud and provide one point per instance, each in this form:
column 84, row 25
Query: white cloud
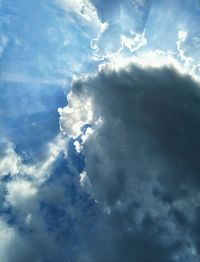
column 85, row 182
column 135, row 42
column 20, row 194
column 79, row 144
column 23, row 194
column 77, row 115
column 10, row 162
column 182, row 36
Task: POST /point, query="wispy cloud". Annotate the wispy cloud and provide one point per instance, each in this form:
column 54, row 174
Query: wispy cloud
column 4, row 40
column 83, row 9
column 25, row 79
column 135, row 42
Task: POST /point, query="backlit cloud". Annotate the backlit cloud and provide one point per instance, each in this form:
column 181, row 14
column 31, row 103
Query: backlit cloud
column 141, row 160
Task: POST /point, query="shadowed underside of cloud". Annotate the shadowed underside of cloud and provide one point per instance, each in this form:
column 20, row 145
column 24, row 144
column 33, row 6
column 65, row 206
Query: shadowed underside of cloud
column 142, row 162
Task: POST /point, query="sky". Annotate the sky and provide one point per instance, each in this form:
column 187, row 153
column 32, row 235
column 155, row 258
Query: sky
column 99, row 130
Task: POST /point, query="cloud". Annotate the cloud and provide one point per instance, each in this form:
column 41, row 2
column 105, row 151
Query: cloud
column 139, row 4
column 44, row 210
column 9, row 161
column 135, row 42
column 20, row 193
column 11, row 244
column 4, row 40
column 20, row 182
column 12, row 164
column 182, row 36
column 27, row 223
column 87, row 15
column 85, row 10
column 76, row 117
column 141, row 161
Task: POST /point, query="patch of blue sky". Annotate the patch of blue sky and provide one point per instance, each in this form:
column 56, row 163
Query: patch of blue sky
column 124, row 18
column 162, row 30
column 31, row 89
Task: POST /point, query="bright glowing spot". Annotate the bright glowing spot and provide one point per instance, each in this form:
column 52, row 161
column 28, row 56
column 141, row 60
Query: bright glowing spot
column 182, row 35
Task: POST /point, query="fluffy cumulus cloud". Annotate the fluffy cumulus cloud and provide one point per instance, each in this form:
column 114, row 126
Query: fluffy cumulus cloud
column 141, row 161
column 36, row 205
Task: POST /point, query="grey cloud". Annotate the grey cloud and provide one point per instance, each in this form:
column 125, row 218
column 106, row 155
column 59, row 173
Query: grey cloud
column 142, row 162
column 141, row 168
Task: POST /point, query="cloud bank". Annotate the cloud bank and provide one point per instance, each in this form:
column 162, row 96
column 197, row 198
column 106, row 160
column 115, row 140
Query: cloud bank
column 124, row 188
column 141, row 161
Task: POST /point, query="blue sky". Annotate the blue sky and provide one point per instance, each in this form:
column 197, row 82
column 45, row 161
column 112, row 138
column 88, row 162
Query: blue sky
column 99, row 130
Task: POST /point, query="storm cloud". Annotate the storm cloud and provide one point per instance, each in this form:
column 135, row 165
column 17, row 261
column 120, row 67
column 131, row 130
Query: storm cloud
column 141, row 161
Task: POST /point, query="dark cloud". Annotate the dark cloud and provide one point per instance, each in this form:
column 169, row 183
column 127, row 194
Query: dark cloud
column 142, row 162
column 139, row 197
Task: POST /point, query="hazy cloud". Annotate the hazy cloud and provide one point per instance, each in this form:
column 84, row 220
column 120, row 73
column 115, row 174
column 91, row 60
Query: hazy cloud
column 4, row 40
column 85, row 10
